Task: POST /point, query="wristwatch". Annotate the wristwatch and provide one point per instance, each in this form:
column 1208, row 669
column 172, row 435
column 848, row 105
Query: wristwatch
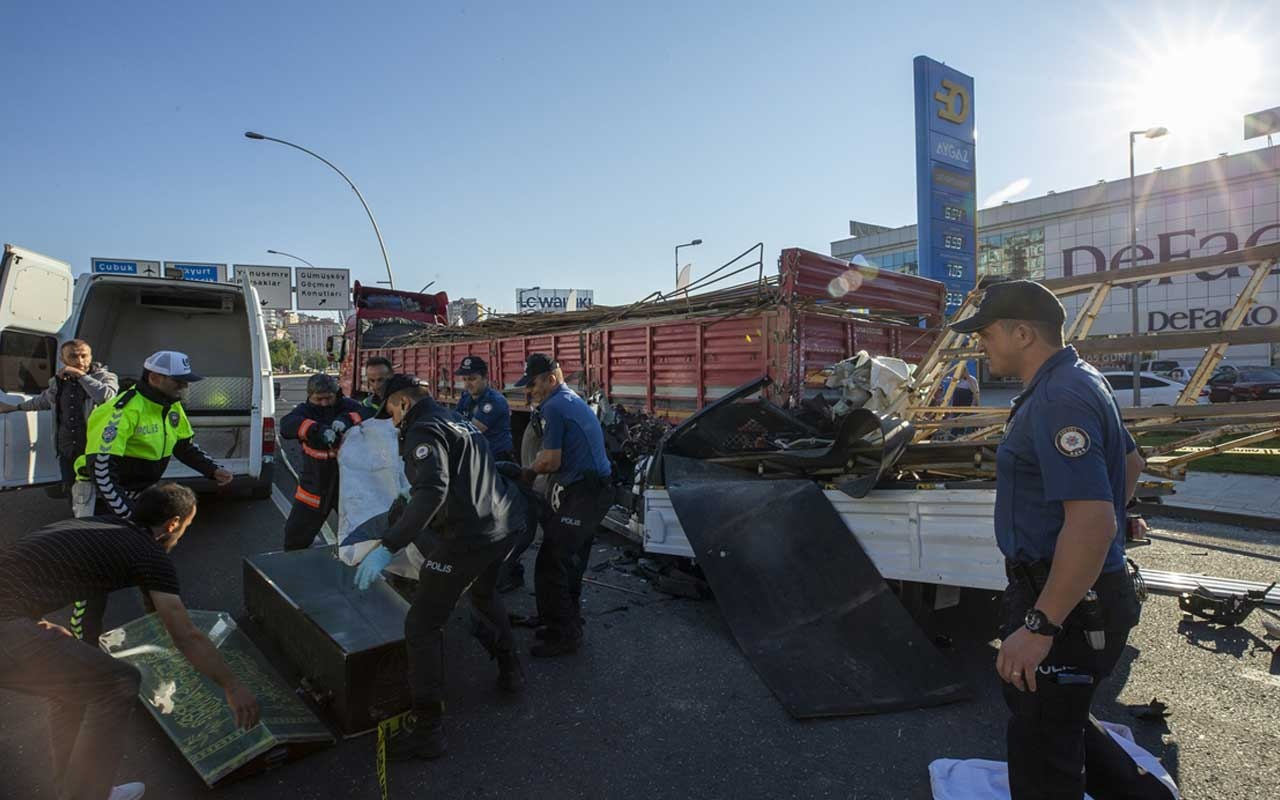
column 1037, row 622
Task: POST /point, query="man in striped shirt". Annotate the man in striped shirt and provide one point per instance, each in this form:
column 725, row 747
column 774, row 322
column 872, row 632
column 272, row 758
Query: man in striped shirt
column 91, row 695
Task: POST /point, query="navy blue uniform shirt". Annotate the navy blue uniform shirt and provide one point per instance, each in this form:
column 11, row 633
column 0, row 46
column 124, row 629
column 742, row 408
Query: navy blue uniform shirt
column 570, row 426
column 1064, row 441
column 492, row 411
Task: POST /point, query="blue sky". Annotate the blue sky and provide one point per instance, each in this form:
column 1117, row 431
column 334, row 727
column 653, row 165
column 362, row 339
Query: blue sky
column 571, row 144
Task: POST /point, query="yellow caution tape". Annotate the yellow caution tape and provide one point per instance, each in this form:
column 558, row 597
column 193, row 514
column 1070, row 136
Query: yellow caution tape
column 386, row 729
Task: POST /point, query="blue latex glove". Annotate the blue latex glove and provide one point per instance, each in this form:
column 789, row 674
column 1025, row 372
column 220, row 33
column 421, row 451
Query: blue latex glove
column 371, row 567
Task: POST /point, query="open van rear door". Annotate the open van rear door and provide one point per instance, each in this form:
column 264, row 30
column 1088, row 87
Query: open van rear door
column 35, row 303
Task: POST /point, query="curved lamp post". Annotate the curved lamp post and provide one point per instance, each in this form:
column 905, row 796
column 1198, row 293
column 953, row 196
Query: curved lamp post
column 376, row 232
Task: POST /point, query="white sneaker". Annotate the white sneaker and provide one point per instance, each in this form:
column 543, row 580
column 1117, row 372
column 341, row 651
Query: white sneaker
column 128, row 791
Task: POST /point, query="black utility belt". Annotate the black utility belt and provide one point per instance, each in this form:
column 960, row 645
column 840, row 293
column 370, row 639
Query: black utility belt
column 587, row 483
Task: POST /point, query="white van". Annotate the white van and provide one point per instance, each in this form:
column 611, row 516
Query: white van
column 125, row 318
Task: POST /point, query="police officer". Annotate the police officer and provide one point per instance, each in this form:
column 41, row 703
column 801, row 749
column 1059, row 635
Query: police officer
column 129, row 442
column 376, row 371
column 462, row 514
column 318, row 424
column 128, row 446
column 485, row 407
column 1064, row 473
column 579, row 494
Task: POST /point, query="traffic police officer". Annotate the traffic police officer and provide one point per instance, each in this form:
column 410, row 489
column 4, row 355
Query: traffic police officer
column 129, row 442
column 462, row 514
column 579, row 494
column 318, row 424
column 1064, row 472
column 485, row 407
column 128, row 446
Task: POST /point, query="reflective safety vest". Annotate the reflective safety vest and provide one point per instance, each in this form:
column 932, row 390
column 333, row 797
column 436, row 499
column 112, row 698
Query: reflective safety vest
column 135, row 427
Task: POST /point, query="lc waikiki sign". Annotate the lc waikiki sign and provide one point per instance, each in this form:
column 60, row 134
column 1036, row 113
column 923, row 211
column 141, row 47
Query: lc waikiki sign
column 946, row 176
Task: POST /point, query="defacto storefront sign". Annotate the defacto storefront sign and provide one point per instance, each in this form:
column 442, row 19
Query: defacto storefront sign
column 539, row 300
column 946, row 178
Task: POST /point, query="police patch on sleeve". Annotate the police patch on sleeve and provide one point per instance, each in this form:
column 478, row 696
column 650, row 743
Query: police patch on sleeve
column 487, row 408
column 174, row 418
column 1072, row 442
column 109, row 434
column 422, row 452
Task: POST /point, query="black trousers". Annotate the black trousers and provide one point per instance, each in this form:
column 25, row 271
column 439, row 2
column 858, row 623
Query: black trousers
column 1056, row 749
column 91, row 697
column 306, row 519
column 520, row 541
column 568, row 532
column 447, row 571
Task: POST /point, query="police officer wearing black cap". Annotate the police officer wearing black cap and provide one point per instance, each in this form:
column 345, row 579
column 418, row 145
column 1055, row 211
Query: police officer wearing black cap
column 1064, row 472
column 579, row 494
column 485, row 407
column 462, row 514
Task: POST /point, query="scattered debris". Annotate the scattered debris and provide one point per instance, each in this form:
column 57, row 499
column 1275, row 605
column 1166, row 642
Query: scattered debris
column 1222, row 610
column 604, row 585
column 1271, row 623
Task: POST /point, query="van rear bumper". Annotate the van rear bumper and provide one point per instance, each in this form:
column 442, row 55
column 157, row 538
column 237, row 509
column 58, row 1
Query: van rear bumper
column 239, row 484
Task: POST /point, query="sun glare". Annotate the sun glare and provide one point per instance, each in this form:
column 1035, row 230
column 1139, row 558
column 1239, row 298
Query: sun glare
column 1192, row 86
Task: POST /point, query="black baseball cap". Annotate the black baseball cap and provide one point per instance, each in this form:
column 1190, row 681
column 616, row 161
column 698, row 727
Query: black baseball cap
column 396, row 383
column 1025, row 300
column 536, row 364
column 472, row 365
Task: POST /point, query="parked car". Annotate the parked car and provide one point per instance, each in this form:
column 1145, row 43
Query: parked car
column 1167, row 366
column 1231, row 385
column 1157, row 390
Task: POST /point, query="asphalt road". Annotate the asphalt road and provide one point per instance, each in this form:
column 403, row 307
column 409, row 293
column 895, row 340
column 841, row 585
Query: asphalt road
column 661, row 703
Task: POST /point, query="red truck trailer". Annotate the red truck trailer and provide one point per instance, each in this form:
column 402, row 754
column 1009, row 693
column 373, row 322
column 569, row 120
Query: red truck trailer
column 670, row 357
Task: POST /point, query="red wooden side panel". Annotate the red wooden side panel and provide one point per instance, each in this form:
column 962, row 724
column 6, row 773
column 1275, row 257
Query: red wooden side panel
column 808, row 274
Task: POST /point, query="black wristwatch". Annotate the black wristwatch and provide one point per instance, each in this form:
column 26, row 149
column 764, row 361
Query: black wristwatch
column 1037, row 622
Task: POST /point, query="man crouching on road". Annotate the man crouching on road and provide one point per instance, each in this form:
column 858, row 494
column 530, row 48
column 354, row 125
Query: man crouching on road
column 91, row 695
column 472, row 511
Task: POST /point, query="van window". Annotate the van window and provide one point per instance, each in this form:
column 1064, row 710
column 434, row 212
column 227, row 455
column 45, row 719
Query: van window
column 27, row 361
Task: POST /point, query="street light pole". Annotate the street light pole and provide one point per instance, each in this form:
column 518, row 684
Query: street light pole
column 694, row 243
column 374, row 222
column 291, row 255
column 1150, row 133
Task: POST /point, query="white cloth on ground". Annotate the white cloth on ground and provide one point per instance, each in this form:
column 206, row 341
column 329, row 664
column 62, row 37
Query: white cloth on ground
column 981, row 779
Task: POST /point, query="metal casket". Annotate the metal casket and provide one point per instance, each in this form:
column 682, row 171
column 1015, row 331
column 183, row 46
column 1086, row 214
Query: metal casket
column 347, row 645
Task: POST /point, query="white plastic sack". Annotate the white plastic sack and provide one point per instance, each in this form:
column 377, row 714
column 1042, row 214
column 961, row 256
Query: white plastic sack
column 980, row 779
column 370, row 477
column 867, row 381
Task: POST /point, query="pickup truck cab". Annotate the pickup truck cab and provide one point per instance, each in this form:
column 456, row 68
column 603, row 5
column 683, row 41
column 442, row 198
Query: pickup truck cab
column 125, row 318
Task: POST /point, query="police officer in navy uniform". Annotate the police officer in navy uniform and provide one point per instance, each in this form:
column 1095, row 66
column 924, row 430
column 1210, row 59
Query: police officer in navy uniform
column 579, row 494
column 462, row 514
column 485, row 407
column 1065, row 470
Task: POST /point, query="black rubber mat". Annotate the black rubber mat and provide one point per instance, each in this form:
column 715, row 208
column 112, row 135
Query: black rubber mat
column 804, row 601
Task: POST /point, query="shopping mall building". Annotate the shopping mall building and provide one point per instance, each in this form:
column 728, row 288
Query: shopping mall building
column 1200, row 209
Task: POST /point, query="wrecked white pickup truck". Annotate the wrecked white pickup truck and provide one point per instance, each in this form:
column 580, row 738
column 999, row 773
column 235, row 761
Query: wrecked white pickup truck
column 927, row 531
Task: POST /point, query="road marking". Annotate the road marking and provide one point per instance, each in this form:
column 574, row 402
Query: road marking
column 1261, row 677
column 285, row 507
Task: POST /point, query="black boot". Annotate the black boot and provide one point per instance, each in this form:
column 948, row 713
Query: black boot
column 510, row 672
column 423, row 739
column 561, row 645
